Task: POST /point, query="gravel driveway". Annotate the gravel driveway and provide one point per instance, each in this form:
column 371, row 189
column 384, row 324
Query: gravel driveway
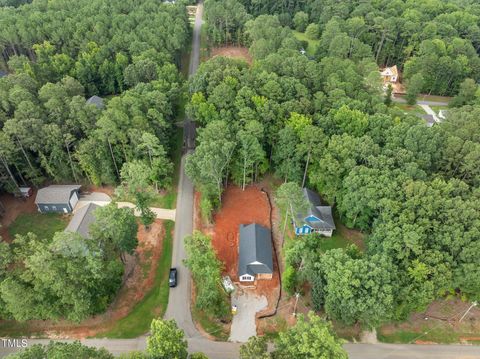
column 243, row 323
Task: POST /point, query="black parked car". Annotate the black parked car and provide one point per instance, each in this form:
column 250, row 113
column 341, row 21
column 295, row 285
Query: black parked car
column 172, row 278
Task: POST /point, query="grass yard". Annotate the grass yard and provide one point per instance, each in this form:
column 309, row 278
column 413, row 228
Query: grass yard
column 312, row 44
column 411, row 110
column 43, row 225
column 154, row 304
column 434, row 98
column 214, row 328
column 426, row 334
column 438, row 108
column 336, row 241
column 441, row 326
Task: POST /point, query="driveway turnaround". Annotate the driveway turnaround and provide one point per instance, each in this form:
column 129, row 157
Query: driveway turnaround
column 102, row 199
column 160, row 213
column 429, row 111
column 243, row 323
column 98, row 198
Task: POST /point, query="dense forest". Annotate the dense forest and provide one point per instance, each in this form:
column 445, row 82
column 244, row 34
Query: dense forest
column 325, row 122
column 438, row 41
column 59, row 53
column 56, row 55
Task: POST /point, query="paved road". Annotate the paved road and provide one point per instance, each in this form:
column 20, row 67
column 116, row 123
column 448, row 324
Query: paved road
column 220, row 350
column 421, row 102
column 411, row 351
column 179, row 298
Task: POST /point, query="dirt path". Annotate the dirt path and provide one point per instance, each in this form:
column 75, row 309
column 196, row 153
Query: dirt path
column 234, row 52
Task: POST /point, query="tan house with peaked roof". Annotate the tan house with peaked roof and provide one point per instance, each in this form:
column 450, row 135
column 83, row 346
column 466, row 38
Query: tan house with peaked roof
column 390, row 75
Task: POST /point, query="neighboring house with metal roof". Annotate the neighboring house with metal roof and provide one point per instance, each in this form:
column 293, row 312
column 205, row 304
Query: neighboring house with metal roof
column 82, row 219
column 316, row 219
column 96, row 101
column 57, row 198
column 255, row 253
column 429, row 119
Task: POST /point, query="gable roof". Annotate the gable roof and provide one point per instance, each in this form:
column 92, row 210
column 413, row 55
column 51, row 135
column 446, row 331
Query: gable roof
column 390, row 71
column 56, row 194
column 255, row 250
column 316, row 216
column 96, row 100
column 82, row 219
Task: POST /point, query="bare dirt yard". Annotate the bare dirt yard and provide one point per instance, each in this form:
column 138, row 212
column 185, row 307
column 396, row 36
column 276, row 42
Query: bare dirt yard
column 244, row 207
column 234, row 52
column 138, row 280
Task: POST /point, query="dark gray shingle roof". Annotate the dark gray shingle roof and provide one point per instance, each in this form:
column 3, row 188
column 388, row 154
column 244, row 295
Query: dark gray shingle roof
column 82, row 219
column 55, row 194
column 97, row 101
column 323, row 213
column 255, row 250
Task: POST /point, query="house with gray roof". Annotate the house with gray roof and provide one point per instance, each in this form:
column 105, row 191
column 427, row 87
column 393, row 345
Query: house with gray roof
column 316, row 219
column 255, row 259
column 82, row 219
column 57, row 198
column 96, row 101
column 429, row 119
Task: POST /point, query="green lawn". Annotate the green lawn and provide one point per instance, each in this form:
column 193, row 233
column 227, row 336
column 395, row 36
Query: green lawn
column 43, row 225
column 155, row 302
column 412, row 110
column 312, row 44
column 434, row 98
column 211, row 325
column 436, row 335
column 336, row 241
column 438, row 108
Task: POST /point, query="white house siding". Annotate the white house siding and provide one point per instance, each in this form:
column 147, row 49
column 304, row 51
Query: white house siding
column 326, row 233
column 73, row 200
column 246, row 278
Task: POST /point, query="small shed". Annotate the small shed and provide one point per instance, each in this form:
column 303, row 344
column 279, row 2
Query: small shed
column 82, row 219
column 25, row 191
column 255, row 253
column 57, row 198
column 96, row 101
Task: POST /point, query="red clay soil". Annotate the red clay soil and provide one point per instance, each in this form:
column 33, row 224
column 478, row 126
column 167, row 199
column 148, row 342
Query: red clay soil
column 13, row 207
column 141, row 267
column 234, row 52
column 243, row 207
